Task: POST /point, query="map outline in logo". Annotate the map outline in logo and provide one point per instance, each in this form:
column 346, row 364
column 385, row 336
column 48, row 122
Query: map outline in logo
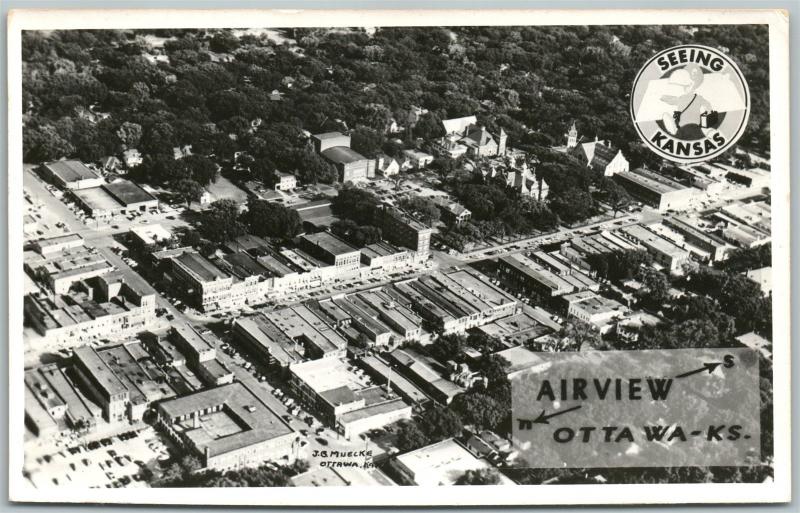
column 696, row 90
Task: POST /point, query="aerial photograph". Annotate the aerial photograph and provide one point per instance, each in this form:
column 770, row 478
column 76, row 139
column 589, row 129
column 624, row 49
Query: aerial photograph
column 311, row 257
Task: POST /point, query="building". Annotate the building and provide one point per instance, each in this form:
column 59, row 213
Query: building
column 698, row 241
column 476, row 139
column 440, row 464
column 197, row 347
column 447, row 147
column 331, row 250
column 455, row 301
column 601, row 157
column 664, row 252
column 458, row 125
column 763, row 277
column 149, row 237
column 119, row 197
column 267, row 342
column 350, row 165
column 544, row 274
column 122, row 379
column 386, row 166
column 54, row 404
column 71, row 175
column 285, row 182
column 131, row 158
column 227, row 427
column 594, row 309
column 455, row 214
column 401, row 230
column 60, row 271
column 417, row 159
column 343, row 399
column 52, row 245
column 385, row 257
column 422, row 374
column 656, row 190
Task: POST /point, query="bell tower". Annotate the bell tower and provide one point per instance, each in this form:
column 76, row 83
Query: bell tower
column 572, row 136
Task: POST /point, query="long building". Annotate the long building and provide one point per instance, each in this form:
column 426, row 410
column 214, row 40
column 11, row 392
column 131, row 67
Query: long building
column 54, row 404
column 656, row 190
column 71, row 174
column 664, row 252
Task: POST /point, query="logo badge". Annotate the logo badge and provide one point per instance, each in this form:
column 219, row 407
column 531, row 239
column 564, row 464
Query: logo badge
column 690, row 103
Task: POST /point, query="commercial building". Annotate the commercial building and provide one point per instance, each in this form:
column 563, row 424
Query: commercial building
column 440, row 464
column 331, row 250
column 263, row 340
column 342, row 398
column 420, row 371
column 117, row 198
column 664, row 252
column 385, row 257
column 656, row 190
column 696, row 239
column 199, row 346
column 594, row 309
column 417, row 159
column 578, row 250
column 51, row 245
column 149, row 237
column 71, row 175
column 122, row 379
column 543, row 275
column 59, row 271
column 227, row 427
column 54, row 404
column 101, row 307
column 455, row 301
column 401, row 230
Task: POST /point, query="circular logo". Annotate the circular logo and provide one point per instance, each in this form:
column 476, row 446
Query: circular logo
column 690, row 103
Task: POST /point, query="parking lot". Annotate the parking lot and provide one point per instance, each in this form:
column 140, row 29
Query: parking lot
column 117, row 461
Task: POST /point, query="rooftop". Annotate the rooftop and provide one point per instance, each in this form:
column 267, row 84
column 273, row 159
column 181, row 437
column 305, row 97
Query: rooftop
column 330, row 243
column 71, row 170
column 442, row 463
column 200, row 266
column 128, row 193
column 342, row 155
column 243, row 421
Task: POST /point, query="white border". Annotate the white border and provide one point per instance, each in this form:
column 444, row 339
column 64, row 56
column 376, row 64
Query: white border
column 778, row 490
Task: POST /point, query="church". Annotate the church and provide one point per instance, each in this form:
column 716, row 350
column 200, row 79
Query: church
column 600, row 156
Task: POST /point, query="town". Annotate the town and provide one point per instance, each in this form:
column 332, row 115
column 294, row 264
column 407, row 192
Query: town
column 329, row 301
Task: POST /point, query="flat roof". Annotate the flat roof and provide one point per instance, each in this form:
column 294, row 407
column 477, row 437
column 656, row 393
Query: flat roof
column 255, row 422
column 648, row 183
column 71, row 170
column 329, row 135
column 326, row 374
column 128, row 193
column 520, row 358
column 443, row 463
column 58, row 240
column 97, row 198
column 342, row 155
column 330, row 243
column 655, row 241
column 200, row 266
column 151, row 233
column 192, row 337
column 101, row 372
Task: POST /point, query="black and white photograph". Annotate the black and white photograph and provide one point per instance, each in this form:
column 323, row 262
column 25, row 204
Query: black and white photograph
column 456, row 252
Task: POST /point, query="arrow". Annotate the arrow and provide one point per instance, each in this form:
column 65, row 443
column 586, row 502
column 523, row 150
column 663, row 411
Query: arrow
column 710, row 367
column 543, row 418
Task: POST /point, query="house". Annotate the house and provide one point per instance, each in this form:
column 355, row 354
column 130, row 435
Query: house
column 131, row 158
column 178, row 152
column 447, row 147
column 110, row 163
column 528, row 183
column 206, row 198
column 418, row 159
column 475, row 138
column 386, row 165
column 286, row 182
column 455, row 214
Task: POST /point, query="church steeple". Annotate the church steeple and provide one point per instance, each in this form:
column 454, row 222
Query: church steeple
column 572, row 136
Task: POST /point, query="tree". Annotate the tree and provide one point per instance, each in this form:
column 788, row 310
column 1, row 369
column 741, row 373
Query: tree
column 616, row 196
column 448, row 347
column 480, row 410
column 576, row 334
column 223, row 42
column 43, row 144
column 571, row 205
column 203, row 170
column 188, row 190
column 410, row 436
column 484, row 343
column 356, row 235
column 482, row 476
column 424, row 208
column 313, row 168
column 267, row 219
column 746, row 259
column 440, row 423
column 655, row 285
column 129, row 134
column 366, row 141
column 429, row 127
column 356, row 204
column 220, row 222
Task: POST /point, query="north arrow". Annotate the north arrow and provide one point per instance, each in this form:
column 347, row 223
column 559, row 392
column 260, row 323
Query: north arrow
column 710, row 367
